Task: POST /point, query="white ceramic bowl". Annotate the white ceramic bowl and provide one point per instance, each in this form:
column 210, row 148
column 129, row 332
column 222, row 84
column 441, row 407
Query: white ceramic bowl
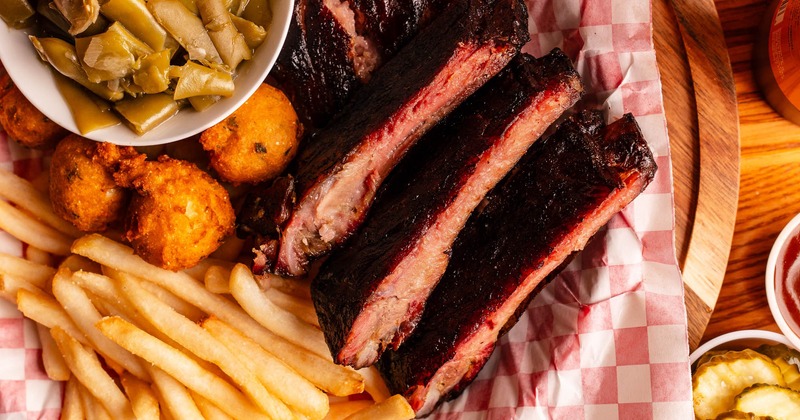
column 36, row 82
column 739, row 340
column 775, row 299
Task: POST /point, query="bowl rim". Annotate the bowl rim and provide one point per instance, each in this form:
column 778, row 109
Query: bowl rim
column 769, row 281
column 184, row 125
column 738, row 335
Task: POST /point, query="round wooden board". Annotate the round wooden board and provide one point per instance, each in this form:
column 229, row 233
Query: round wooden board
column 702, row 120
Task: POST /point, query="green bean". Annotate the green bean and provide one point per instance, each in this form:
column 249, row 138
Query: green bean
column 90, row 112
column 58, row 24
column 62, row 56
column 151, row 76
column 236, row 7
column 230, row 44
column 186, row 28
column 253, row 34
column 79, row 13
column 146, row 112
column 190, row 4
column 197, row 80
column 133, row 14
column 201, row 103
column 16, row 13
column 110, row 55
column 258, row 12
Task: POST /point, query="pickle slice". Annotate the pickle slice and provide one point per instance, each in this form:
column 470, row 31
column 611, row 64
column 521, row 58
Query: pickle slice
column 772, row 401
column 717, row 382
column 787, row 359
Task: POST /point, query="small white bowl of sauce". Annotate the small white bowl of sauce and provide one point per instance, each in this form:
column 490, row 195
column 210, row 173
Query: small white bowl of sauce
column 783, row 281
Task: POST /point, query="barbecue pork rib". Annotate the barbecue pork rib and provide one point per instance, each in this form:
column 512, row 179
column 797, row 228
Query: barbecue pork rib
column 341, row 167
column 565, row 188
column 333, row 46
column 372, row 291
column 316, row 67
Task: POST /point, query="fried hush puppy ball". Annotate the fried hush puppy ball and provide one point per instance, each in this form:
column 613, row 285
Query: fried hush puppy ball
column 178, row 215
column 26, row 124
column 257, row 141
column 5, row 81
column 82, row 190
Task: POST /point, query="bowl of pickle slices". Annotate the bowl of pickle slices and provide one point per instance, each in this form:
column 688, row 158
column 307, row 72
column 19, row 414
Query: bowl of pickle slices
column 750, row 374
column 140, row 73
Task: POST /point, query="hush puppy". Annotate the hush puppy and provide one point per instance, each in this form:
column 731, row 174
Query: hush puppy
column 257, row 141
column 178, row 214
column 26, row 124
column 82, row 190
column 5, row 81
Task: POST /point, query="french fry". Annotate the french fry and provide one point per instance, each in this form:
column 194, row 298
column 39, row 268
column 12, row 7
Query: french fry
column 72, row 407
column 246, row 291
column 328, row 376
column 39, row 256
column 209, row 410
column 180, row 367
column 198, row 272
column 53, row 361
column 92, row 408
column 300, row 307
column 29, row 230
column 295, row 287
column 200, row 342
column 86, row 367
column 216, row 279
column 340, row 410
column 179, row 305
column 78, row 263
column 80, row 308
column 175, row 398
column 10, row 285
column 104, row 288
column 230, row 249
column 374, row 384
column 393, row 408
column 36, row 274
column 323, row 373
column 279, row 379
column 21, row 192
column 143, row 400
column 45, row 310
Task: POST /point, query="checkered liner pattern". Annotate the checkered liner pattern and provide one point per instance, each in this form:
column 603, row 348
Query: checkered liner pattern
column 606, row 341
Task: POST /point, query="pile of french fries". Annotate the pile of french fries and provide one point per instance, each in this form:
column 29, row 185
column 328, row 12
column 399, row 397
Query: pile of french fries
column 132, row 340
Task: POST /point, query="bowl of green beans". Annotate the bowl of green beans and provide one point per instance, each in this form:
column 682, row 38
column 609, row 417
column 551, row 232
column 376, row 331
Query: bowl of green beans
column 140, row 73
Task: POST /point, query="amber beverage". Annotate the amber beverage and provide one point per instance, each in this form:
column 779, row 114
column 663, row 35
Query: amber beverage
column 777, row 58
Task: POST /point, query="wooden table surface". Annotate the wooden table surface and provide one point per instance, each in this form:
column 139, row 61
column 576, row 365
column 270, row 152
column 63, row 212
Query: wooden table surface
column 769, row 194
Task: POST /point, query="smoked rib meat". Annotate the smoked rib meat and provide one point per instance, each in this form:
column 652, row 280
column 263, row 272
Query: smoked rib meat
column 370, row 293
column 333, row 46
column 341, row 167
column 566, row 188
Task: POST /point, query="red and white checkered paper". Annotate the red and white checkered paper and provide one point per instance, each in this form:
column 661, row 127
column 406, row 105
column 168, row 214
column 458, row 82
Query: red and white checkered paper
column 606, row 341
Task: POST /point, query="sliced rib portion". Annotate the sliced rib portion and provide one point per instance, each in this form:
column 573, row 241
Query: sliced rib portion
column 333, row 46
column 316, row 67
column 372, row 292
column 566, row 188
column 391, row 23
column 341, row 168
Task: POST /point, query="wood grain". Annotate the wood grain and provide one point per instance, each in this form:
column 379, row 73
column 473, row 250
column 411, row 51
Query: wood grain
column 770, row 180
column 700, row 104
